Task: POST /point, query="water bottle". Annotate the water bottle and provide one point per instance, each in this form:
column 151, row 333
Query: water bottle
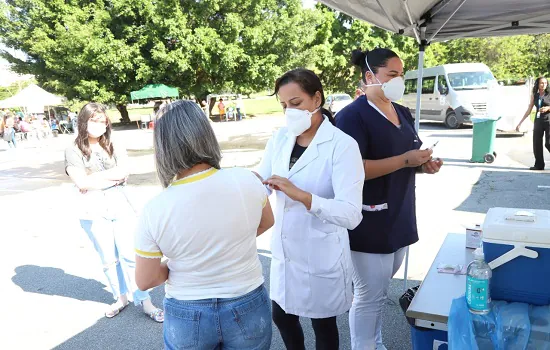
column 478, row 279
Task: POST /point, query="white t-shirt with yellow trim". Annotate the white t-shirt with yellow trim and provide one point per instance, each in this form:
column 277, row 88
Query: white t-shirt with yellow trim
column 206, row 225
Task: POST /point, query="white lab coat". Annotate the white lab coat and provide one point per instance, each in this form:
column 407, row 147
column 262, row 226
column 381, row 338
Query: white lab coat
column 311, row 260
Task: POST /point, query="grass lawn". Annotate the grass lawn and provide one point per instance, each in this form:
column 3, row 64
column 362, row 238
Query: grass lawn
column 265, row 105
column 255, row 106
column 134, row 113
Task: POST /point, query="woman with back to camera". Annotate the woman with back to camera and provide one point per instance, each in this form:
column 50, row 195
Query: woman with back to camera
column 541, row 131
column 215, row 294
column 317, row 173
column 390, row 148
column 99, row 168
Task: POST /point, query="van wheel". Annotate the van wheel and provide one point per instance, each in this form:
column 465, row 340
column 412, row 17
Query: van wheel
column 451, row 121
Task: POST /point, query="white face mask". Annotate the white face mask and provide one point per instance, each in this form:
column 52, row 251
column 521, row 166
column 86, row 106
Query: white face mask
column 393, row 89
column 96, row 129
column 298, row 120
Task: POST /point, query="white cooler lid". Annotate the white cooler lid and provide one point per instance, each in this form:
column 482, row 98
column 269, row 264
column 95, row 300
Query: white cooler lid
column 517, row 225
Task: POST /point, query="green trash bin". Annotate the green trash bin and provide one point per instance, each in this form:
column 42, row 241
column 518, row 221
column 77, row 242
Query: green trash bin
column 485, row 131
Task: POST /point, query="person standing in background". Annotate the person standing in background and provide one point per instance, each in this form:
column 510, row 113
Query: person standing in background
column 9, row 130
column 390, row 148
column 316, row 171
column 541, row 132
column 99, row 169
column 240, row 108
column 221, row 109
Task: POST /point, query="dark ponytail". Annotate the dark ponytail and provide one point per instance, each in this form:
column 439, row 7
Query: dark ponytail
column 377, row 58
column 309, row 82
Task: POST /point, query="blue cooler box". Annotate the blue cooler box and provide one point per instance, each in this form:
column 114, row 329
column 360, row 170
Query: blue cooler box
column 428, row 339
column 516, row 243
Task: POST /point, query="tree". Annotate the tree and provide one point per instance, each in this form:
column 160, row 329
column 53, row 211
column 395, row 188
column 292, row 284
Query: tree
column 338, row 35
column 232, row 46
column 101, row 50
column 82, row 49
column 14, row 88
column 508, row 57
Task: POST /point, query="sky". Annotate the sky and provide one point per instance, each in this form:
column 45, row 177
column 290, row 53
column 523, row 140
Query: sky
column 308, row 3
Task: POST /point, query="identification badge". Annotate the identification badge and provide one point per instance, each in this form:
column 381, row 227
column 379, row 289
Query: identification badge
column 377, row 207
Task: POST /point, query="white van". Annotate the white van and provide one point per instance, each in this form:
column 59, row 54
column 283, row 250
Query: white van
column 451, row 93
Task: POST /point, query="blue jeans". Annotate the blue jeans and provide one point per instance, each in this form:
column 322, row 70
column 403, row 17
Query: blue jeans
column 242, row 323
column 12, row 143
column 113, row 241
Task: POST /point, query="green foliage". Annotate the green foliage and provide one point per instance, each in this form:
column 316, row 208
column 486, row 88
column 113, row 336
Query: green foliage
column 9, row 91
column 101, row 50
column 337, row 35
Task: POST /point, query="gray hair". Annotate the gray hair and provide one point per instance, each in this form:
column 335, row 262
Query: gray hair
column 183, row 138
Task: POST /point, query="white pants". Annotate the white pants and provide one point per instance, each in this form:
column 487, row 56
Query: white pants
column 371, row 279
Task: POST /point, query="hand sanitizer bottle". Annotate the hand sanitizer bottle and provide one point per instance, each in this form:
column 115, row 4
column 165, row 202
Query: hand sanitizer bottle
column 478, row 279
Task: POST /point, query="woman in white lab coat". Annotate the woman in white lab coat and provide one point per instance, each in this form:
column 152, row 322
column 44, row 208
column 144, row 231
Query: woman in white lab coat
column 316, row 171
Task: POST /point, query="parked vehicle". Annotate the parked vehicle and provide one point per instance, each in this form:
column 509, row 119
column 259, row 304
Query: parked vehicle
column 451, row 93
column 335, row 102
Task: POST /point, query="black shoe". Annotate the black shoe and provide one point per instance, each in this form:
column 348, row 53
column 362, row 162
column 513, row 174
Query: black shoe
column 536, row 168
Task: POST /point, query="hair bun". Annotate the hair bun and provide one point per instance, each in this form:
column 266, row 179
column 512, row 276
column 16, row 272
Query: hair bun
column 358, row 57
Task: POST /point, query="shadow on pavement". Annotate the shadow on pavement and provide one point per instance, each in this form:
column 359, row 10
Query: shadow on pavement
column 432, row 126
column 50, row 171
column 467, row 164
column 131, row 329
column 511, row 189
column 54, row 281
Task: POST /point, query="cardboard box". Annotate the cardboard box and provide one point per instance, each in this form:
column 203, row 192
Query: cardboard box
column 474, row 236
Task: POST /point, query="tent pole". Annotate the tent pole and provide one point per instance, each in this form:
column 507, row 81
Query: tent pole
column 415, row 31
column 421, row 50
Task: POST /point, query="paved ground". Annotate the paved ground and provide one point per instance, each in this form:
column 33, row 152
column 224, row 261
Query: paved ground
column 56, row 291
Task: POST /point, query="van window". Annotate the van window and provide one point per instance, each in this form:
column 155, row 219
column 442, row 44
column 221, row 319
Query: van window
column 428, row 84
column 442, row 84
column 471, row 80
column 410, row 86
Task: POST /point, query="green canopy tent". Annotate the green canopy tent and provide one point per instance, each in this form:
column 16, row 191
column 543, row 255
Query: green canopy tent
column 154, row 91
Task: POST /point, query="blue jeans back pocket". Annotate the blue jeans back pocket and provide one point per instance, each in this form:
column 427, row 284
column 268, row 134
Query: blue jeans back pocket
column 181, row 326
column 254, row 317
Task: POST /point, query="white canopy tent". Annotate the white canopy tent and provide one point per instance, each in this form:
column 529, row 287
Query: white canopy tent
column 33, row 99
column 441, row 20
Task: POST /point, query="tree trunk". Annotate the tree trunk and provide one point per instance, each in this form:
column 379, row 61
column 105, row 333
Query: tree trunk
column 211, row 104
column 124, row 117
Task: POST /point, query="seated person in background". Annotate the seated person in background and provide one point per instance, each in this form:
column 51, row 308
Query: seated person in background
column 16, row 126
column 230, row 114
column 54, row 124
column 24, row 127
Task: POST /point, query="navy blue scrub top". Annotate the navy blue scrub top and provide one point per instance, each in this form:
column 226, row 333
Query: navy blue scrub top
column 389, row 202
